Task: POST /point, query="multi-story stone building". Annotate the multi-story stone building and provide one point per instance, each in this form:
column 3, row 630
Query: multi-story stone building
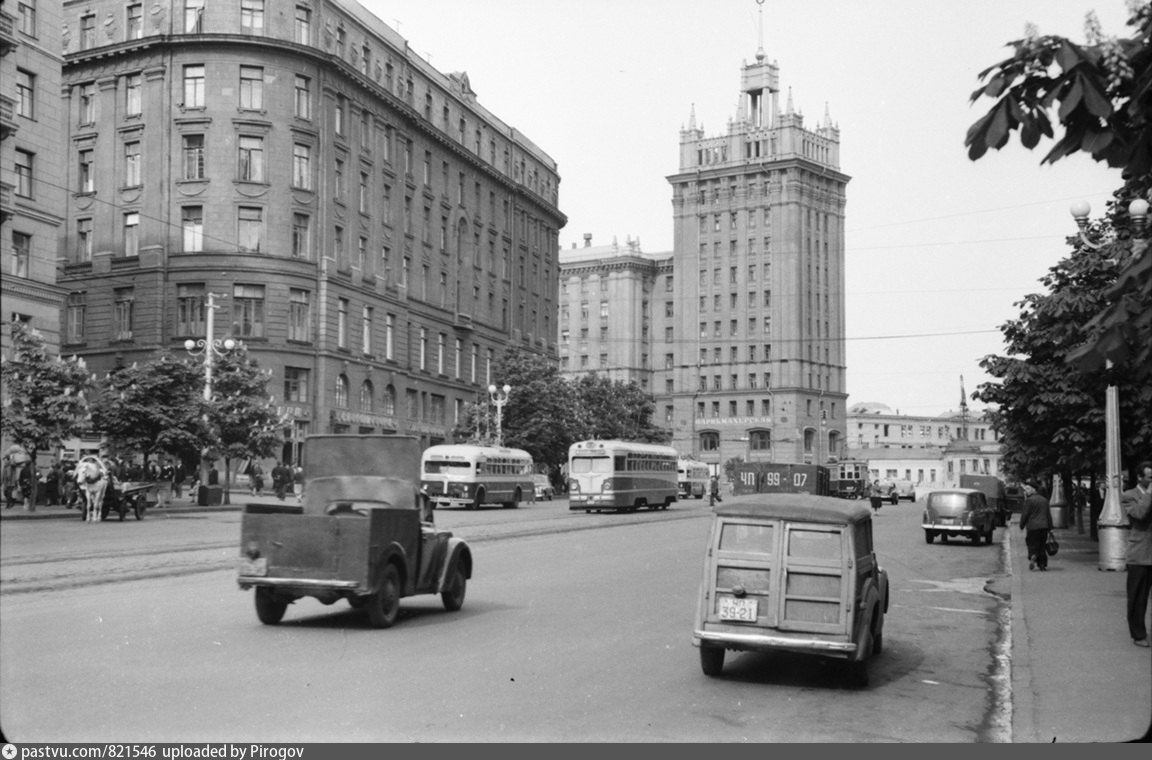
column 741, row 329
column 32, row 167
column 370, row 231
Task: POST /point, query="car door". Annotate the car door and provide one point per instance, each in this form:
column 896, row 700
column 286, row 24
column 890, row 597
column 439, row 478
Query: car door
column 816, row 588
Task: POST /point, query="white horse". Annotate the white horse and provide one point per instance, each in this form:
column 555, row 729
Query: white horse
column 92, row 480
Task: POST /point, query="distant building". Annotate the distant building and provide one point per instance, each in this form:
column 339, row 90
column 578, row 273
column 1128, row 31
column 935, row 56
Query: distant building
column 371, row 232
column 739, row 333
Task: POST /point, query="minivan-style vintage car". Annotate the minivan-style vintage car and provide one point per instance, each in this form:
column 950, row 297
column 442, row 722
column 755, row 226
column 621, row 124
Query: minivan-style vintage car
column 791, row 573
column 958, row 512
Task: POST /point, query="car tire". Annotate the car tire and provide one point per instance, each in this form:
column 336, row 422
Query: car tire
column 711, row 660
column 929, row 536
column 453, row 594
column 269, row 607
column 384, row 604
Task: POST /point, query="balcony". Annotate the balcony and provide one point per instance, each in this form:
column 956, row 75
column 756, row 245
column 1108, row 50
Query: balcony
column 463, row 322
column 5, row 201
column 7, row 117
column 8, row 39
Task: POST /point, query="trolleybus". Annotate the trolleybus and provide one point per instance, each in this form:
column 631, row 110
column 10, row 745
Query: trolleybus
column 621, row 475
column 469, row 475
column 692, row 478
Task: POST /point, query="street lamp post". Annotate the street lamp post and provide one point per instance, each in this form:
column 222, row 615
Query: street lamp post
column 499, row 398
column 209, row 347
column 1113, row 523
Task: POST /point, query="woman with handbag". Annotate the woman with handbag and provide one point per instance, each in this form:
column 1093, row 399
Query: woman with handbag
column 1036, row 522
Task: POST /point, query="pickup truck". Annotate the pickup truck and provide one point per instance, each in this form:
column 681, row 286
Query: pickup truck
column 363, row 533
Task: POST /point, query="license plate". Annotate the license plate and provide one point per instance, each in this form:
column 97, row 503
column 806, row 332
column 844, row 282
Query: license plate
column 741, row 610
column 257, row 567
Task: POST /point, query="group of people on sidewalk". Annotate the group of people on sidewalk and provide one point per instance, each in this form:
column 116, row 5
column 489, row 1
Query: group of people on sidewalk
column 1136, row 504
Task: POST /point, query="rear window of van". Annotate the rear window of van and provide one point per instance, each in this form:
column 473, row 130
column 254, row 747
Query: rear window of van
column 953, row 500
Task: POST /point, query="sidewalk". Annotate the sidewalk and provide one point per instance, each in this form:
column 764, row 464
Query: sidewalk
column 1076, row 675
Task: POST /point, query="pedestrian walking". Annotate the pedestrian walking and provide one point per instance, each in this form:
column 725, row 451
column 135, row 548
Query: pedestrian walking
column 714, row 491
column 166, row 475
column 876, row 496
column 1137, row 504
column 256, row 478
column 281, row 477
column 179, row 475
column 1036, row 522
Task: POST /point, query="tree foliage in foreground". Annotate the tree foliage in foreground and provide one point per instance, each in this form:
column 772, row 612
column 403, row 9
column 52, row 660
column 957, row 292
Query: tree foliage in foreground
column 1100, row 94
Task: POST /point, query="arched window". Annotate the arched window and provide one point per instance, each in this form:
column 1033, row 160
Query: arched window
column 760, row 440
column 709, row 441
column 366, row 396
column 390, row 400
column 342, row 391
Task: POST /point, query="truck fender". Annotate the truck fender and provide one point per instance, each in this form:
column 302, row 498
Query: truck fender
column 871, row 604
column 390, row 553
column 458, row 554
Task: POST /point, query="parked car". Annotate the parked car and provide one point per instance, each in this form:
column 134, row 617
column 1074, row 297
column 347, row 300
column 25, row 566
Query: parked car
column 958, row 512
column 791, row 573
column 905, row 489
column 544, row 490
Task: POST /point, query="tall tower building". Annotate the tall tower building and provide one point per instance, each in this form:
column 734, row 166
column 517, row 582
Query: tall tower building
column 758, row 289
column 371, row 232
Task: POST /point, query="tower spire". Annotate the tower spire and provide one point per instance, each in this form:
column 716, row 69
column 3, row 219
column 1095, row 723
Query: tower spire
column 963, row 411
column 760, row 30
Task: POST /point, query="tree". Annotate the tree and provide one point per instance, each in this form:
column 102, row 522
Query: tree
column 612, row 409
column 45, row 398
column 153, row 407
column 1048, row 414
column 540, row 413
column 1104, row 92
column 241, row 414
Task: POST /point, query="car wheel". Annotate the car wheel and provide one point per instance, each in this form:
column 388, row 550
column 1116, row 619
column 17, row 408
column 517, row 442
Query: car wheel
column 929, row 536
column 269, row 607
column 895, row 500
column 477, row 501
column 711, row 660
column 453, row 594
column 943, row 538
column 990, row 534
column 384, row 605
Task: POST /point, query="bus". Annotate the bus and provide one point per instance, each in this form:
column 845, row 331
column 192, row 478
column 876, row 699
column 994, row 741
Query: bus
column 621, row 475
column 692, row 478
column 470, row 475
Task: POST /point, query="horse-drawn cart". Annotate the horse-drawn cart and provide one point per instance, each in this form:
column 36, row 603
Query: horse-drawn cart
column 114, row 495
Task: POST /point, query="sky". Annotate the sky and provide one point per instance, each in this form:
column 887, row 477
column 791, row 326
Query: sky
column 939, row 249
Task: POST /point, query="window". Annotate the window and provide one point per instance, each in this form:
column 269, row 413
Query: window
column 251, row 159
column 190, row 310
column 342, row 391
column 362, row 254
column 77, row 317
column 366, row 330
column 88, row 31
column 302, row 166
column 21, row 254
column 423, row 348
column 338, row 114
column 252, row 16
column 366, row 396
column 24, row 164
column 87, row 171
column 134, row 22
column 338, row 179
column 338, row 252
column 250, row 228
column 194, row 86
column 248, row 312
column 296, row 384
column 193, row 150
column 342, row 323
column 132, row 164
column 27, row 11
column 133, row 101
column 252, row 87
column 87, row 104
column 192, row 223
column 301, row 236
column 84, row 240
column 760, row 440
column 193, row 16
column 132, row 233
column 122, row 312
column 709, row 441
column 303, row 25
column 364, row 199
column 299, row 315
column 25, row 94
column 303, row 103
column 389, row 334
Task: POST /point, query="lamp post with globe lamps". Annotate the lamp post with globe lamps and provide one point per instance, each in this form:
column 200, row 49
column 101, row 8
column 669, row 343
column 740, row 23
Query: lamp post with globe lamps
column 499, row 398
column 1113, row 523
column 209, row 347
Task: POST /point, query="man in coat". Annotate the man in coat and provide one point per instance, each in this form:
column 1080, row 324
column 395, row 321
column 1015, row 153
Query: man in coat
column 1137, row 505
column 1036, row 521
